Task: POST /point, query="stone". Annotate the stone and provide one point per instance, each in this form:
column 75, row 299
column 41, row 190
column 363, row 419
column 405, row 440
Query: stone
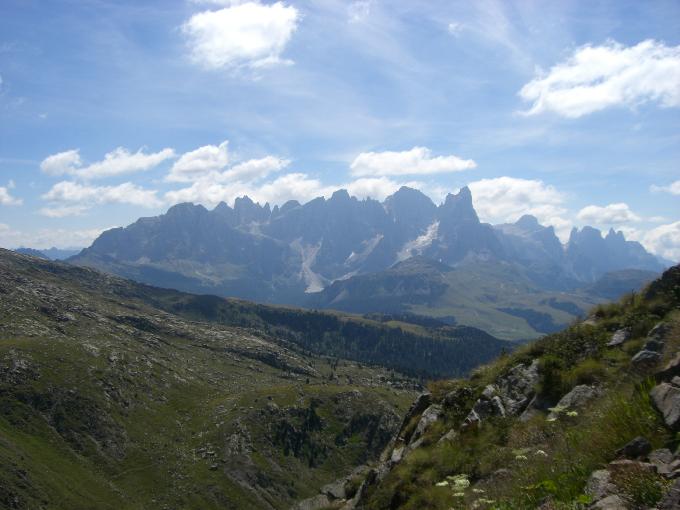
column 660, row 331
column 314, row 503
column 638, row 447
column 666, row 399
column 600, row 484
column 421, row 403
column 672, row 369
column 662, row 459
column 335, row 490
column 628, row 464
column 612, row 502
column 429, row 416
column 645, row 358
column 671, row 501
column 653, row 345
column 576, row 398
column 619, row 337
column 449, row 436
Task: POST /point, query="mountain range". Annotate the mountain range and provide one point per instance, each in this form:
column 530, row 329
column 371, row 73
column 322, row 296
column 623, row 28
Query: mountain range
column 404, row 254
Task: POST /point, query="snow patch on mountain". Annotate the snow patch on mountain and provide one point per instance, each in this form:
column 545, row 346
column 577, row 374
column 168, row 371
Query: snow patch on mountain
column 419, row 244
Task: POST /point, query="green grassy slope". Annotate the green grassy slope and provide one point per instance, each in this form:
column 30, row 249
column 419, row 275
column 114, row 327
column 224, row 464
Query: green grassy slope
column 108, row 402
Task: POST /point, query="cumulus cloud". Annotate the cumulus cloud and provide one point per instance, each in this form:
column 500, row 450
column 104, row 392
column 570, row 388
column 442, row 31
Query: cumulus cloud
column 598, row 77
column 612, row 214
column 117, row 162
column 84, row 195
column 6, row 198
column 673, row 188
column 416, row 161
column 199, row 162
column 506, row 199
column 48, row 238
column 244, row 34
column 66, row 162
column 664, row 240
column 254, row 169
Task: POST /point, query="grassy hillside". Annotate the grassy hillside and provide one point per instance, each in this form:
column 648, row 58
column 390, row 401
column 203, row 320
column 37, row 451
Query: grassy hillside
column 500, row 298
column 108, row 402
column 545, row 425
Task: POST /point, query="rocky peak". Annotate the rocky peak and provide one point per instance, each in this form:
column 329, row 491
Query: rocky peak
column 459, row 206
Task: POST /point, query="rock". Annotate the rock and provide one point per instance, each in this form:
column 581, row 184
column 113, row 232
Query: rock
column 314, row 503
column 619, row 337
column 576, row 398
column 628, row 464
column 600, row 484
column 421, row 403
column 429, row 416
column 517, row 387
column 662, row 459
column 612, row 502
column 457, row 398
column 672, row 369
column 638, row 447
column 335, row 490
column 645, row 358
column 671, row 501
column 659, row 332
column 666, row 399
column 449, row 436
column 653, row 345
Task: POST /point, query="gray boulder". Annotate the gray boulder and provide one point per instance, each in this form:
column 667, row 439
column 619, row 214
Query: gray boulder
column 578, row 397
column 429, row 416
column 638, row 447
column 645, row 358
column 612, row 502
column 600, row 484
column 619, row 337
column 672, row 369
column 666, row 399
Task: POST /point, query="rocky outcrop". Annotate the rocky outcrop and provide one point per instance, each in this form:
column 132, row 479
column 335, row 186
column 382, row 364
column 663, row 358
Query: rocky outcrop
column 577, row 398
column 508, row 396
column 666, row 398
column 619, row 337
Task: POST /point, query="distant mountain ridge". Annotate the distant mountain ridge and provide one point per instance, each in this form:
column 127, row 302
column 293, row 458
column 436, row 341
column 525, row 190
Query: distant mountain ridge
column 286, row 254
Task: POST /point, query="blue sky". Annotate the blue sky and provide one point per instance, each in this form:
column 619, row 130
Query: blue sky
column 112, row 110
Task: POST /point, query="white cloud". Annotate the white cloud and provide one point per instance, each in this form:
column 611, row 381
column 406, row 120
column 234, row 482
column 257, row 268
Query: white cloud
column 664, row 240
column 66, row 162
column 454, row 28
column 121, row 161
column 359, row 11
column 293, row 186
column 597, row 77
column 48, row 238
column 506, row 199
column 673, row 188
column 418, row 160
column 199, row 162
column 612, row 214
column 63, row 211
column 126, row 193
column 254, row 169
column 7, row 199
column 244, row 34
column 117, row 162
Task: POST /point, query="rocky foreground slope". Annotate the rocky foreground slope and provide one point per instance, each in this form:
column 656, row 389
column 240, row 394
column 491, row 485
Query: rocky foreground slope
column 585, row 418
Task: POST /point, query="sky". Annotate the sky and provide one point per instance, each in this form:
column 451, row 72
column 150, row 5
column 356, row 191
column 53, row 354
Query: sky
column 113, row 110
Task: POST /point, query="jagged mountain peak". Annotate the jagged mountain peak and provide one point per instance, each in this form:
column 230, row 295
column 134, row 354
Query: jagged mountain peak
column 528, row 222
column 459, row 206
